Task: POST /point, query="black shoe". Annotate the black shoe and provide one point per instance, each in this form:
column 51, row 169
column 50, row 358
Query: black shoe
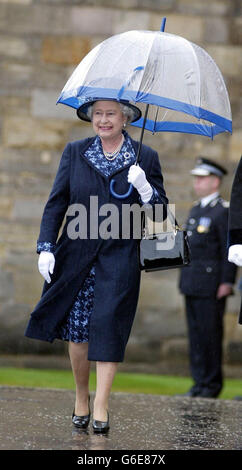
column 81, row 422
column 100, row 426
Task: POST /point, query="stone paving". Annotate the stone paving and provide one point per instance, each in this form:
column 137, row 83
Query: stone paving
column 40, row 419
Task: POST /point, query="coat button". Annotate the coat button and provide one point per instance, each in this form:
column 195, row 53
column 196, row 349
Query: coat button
column 208, row 269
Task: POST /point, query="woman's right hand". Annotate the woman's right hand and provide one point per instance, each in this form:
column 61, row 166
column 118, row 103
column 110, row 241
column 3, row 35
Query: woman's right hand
column 46, row 264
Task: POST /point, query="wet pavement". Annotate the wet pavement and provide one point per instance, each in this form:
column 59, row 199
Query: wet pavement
column 40, row 419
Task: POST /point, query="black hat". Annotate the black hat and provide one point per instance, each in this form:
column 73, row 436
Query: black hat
column 83, row 109
column 205, row 167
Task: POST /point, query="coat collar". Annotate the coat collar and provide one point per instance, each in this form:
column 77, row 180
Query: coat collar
column 208, row 199
column 86, row 143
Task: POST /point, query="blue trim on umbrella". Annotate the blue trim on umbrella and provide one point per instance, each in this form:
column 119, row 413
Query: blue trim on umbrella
column 76, row 98
column 184, row 127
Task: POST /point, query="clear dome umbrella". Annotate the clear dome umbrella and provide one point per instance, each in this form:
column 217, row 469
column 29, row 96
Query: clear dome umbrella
column 176, row 80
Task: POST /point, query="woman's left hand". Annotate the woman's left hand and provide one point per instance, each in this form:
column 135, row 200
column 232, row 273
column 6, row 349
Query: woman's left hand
column 137, row 177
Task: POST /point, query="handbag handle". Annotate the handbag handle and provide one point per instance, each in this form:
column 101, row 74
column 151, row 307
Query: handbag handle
column 170, row 216
column 172, row 219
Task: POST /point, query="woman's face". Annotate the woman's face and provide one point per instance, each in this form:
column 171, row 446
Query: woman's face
column 107, row 119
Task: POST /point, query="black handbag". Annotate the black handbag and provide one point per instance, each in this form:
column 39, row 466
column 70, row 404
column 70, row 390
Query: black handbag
column 164, row 250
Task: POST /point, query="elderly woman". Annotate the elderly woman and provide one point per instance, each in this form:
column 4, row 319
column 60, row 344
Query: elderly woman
column 92, row 284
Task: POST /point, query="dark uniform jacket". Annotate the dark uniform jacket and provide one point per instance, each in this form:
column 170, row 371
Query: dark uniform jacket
column 116, row 260
column 235, row 214
column 207, row 236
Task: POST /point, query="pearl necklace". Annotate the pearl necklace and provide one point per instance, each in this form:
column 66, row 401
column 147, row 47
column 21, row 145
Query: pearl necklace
column 112, row 155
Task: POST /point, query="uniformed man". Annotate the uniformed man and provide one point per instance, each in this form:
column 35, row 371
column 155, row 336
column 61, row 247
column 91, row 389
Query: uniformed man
column 208, row 280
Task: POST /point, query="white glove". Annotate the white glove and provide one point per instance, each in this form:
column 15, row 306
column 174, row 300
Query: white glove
column 235, row 254
column 46, row 264
column 137, row 177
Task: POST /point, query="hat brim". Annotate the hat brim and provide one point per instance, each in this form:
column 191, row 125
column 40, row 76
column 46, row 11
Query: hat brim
column 83, row 109
column 200, row 172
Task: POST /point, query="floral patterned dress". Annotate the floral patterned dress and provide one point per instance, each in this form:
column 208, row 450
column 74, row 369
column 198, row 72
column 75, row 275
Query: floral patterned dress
column 75, row 328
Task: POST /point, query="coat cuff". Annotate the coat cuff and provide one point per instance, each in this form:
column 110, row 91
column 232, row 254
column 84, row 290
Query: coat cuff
column 45, row 246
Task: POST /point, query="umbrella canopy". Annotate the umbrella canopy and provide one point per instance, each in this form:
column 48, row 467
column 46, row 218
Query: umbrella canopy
column 178, row 79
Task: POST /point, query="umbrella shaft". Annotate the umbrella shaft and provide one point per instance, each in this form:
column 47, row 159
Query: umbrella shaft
column 141, row 135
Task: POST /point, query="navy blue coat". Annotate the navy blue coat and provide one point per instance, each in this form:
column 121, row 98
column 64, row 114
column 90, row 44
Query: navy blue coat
column 116, row 260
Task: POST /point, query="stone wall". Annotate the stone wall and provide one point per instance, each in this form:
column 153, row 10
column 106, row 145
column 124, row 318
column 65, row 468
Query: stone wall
column 41, row 41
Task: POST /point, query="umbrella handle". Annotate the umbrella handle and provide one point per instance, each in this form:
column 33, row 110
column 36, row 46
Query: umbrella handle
column 119, row 196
